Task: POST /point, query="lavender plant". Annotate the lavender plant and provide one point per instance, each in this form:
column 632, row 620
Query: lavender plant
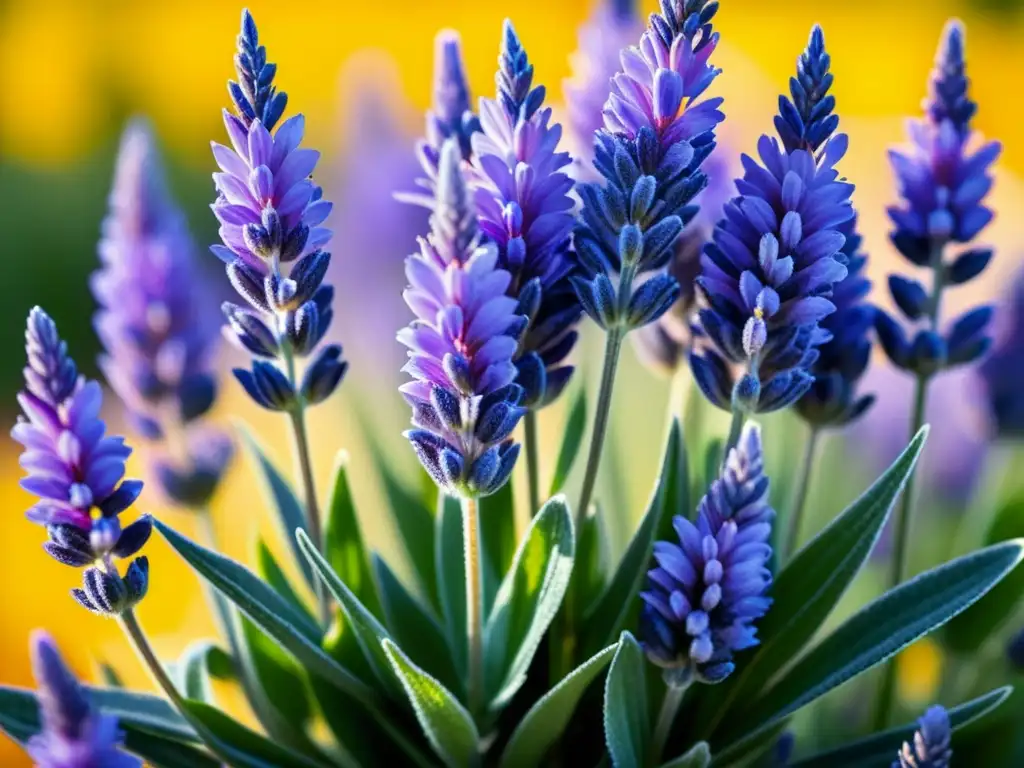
column 494, row 648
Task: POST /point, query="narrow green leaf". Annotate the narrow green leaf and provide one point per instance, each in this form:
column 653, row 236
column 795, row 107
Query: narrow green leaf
column 879, row 631
column 697, row 757
column 268, row 569
column 879, row 748
column 414, row 628
column 745, row 753
column 972, row 628
column 343, row 539
column 451, row 578
column 247, row 748
column 446, row 723
column 268, row 610
column 367, row 630
column 627, row 725
column 528, row 600
column 278, row 493
column 810, row 586
column 497, row 540
column 546, row 721
column 414, row 521
column 606, row 617
column 571, row 439
column 194, row 668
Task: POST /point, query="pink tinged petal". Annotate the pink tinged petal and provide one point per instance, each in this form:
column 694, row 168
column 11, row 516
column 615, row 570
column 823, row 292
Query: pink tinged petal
column 45, row 513
column 39, row 413
column 45, row 464
column 235, row 190
column 260, row 144
column 636, row 67
column 31, row 436
column 423, row 338
column 426, row 368
column 46, row 487
column 494, row 317
column 298, row 165
column 416, row 391
column 423, row 305
column 228, row 161
column 238, row 215
column 287, row 139
column 237, row 133
column 451, row 324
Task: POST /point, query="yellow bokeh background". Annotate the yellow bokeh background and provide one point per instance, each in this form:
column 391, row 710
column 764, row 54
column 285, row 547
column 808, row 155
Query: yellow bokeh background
column 66, row 64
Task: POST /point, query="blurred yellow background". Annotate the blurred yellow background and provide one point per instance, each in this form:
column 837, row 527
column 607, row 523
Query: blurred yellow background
column 71, row 71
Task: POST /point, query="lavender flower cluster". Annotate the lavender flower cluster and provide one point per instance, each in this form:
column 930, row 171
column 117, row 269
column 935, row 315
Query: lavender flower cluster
column 760, row 283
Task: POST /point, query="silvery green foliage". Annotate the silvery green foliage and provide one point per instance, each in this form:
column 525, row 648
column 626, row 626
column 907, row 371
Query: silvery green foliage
column 386, row 676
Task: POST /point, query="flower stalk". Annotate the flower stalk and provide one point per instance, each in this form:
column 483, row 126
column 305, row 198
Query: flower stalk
column 474, row 603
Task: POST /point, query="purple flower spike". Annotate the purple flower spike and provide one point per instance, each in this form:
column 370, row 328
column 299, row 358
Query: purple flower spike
column 707, row 590
column 930, row 748
column 77, row 472
column 154, row 319
column 522, row 198
column 943, row 184
column 612, row 26
column 464, row 399
column 450, row 116
column 774, row 260
column 1003, row 371
column 74, row 734
column 656, row 135
column 270, row 213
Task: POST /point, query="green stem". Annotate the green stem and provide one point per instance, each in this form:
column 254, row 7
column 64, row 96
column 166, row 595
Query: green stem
column 474, row 603
column 803, row 484
column 669, row 709
column 612, row 347
column 138, row 639
column 735, row 428
column 313, row 528
column 532, row 459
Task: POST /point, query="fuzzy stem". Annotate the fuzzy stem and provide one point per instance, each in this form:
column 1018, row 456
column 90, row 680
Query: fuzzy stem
column 305, row 468
column 474, row 602
column 803, row 485
column 530, row 438
column 612, row 347
column 735, row 428
column 138, row 639
column 666, row 717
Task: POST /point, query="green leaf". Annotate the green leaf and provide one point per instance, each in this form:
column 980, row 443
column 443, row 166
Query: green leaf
column 528, row 600
column 699, row 756
column 268, row 569
column 606, row 617
column 879, row 748
column 267, row 609
column 546, row 721
column 572, row 438
column 745, row 753
column 414, row 521
column 879, row 631
column 810, row 586
column 153, row 730
column 194, row 669
column 367, row 630
column 446, row 723
column 343, row 539
column 497, row 540
column 414, row 628
column 278, row 493
column 627, row 725
column 451, row 578
column 972, row 628
column 110, row 676
column 247, row 748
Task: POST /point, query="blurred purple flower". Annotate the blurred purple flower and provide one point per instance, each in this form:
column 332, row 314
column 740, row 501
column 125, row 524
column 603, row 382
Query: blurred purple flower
column 157, row 320
column 1003, row 370
column 465, row 404
column 77, row 472
column 612, row 26
column 74, row 734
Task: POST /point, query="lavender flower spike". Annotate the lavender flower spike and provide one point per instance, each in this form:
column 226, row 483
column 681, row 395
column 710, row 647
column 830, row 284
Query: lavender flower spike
column 613, row 25
column 156, row 325
column 1003, row 370
column 270, row 214
column 930, row 748
column 464, row 399
column 943, row 186
column 76, row 470
column 708, row 589
column 74, row 734
column 522, row 198
column 655, row 137
column 775, row 258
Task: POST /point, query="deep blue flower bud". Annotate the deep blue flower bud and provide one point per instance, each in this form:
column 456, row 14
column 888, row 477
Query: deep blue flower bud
column 968, row 339
column 928, row 353
column 73, row 733
column 807, row 121
column 893, row 340
column 597, row 297
column 651, row 300
column 192, row 483
column 968, row 265
column 132, row 538
column 250, row 332
column 136, row 579
column 102, row 593
column 930, row 746
column 710, row 586
column 267, row 385
column 909, row 295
